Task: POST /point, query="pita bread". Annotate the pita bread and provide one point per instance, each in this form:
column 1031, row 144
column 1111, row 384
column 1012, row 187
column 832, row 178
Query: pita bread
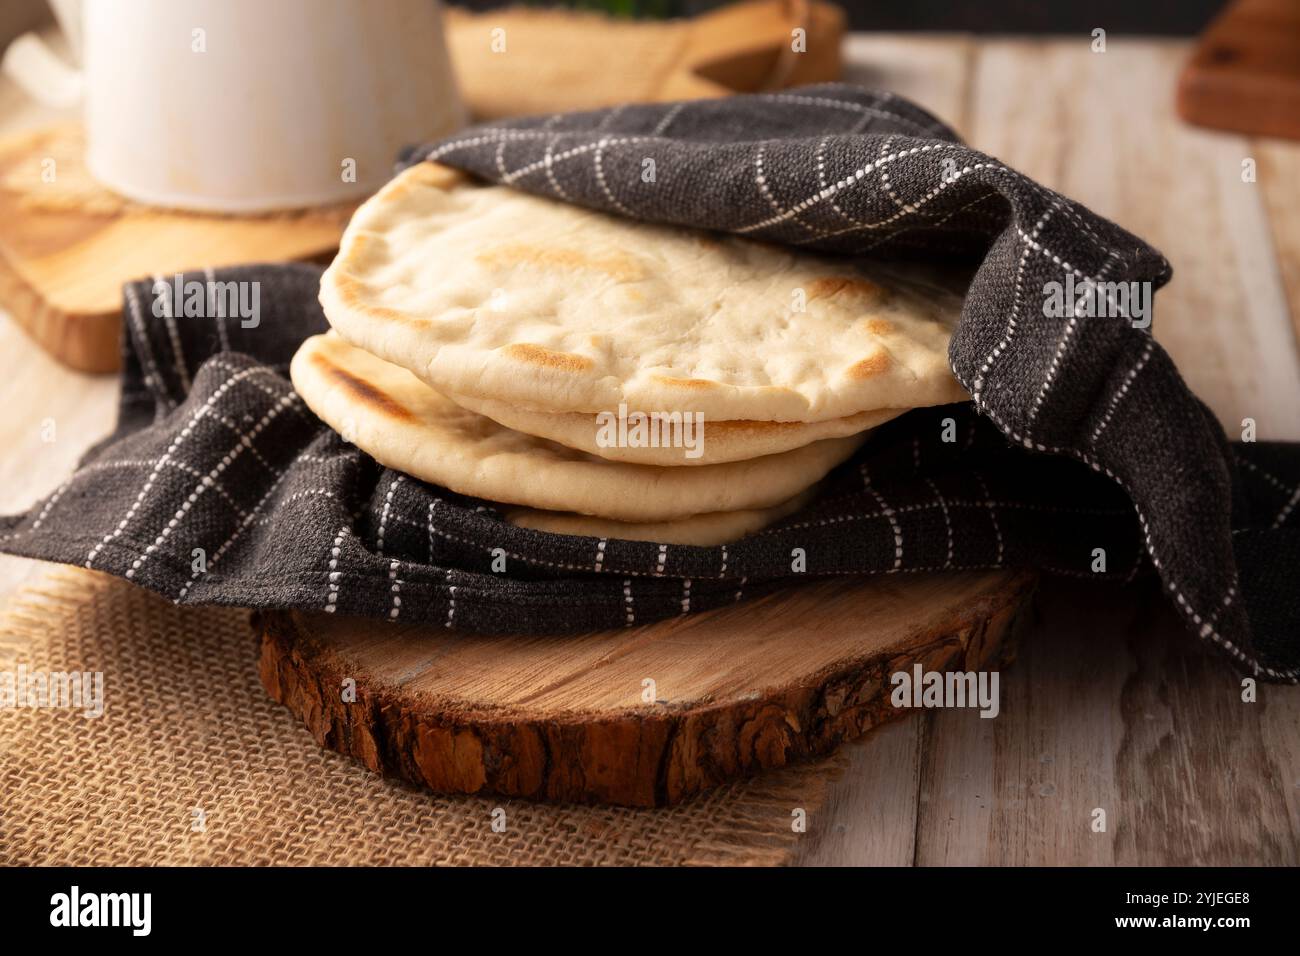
column 705, row 531
column 487, row 292
column 404, row 424
column 722, row 441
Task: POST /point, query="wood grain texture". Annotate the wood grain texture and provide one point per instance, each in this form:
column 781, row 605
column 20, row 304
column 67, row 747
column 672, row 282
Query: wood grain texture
column 1018, row 789
column 67, row 245
column 932, row 70
column 869, row 818
column 52, row 416
column 1099, row 128
column 520, row 61
column 737, row 690
column 1245, row 73
column 1111, row 703
column 1278, row 172
column 1110, row 707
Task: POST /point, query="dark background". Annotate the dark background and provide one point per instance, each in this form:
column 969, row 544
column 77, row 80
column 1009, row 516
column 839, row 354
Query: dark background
column 1172, row 17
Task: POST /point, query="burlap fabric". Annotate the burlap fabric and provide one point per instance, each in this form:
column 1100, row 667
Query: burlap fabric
column 187, row 728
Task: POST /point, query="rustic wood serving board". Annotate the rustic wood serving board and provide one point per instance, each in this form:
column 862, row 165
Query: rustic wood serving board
column 67, row 244
column 518, row 61
column 1245, row 72
column 736, row 690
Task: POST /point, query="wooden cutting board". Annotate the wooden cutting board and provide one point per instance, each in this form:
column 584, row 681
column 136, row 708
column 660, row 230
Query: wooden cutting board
column 519, row 61
column 68, row 244
column 573, row 718
column 1245, row 72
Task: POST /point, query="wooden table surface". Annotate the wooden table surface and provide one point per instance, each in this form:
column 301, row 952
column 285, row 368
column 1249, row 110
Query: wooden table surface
column 1111, row 704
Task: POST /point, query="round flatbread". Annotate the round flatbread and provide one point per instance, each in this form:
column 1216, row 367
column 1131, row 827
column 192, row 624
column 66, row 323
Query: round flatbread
column 488, row 292
column 406, row 425
column 705, row 531
column 650, row 441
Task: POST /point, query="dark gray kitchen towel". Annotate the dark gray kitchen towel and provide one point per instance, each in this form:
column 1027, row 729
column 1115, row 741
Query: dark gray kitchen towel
column 1082, row 452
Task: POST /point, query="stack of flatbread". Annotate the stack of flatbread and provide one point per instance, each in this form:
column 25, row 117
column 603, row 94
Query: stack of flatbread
column 600, row 376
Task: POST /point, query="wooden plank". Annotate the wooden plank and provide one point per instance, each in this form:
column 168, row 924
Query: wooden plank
column 1100, row 128
column 1019, row 789
column 36, row 387
column 44, row 399
column 869, row 817
column 1260, row 374
column 1201, row 778
column 1114, row 708
column 1112, row 705
column 1278, row 719
column 932, row 70
column 1278, row 172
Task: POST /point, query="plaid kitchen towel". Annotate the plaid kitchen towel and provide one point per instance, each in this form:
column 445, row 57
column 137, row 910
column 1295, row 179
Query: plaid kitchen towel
column 1081, row 453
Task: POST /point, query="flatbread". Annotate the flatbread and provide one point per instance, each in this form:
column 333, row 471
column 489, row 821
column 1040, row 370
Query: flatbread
column 406, row 425
column 719, row 441
column 705, row 531
column 488, row 292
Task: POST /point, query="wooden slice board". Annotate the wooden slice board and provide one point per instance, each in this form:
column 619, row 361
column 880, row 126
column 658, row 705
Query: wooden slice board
column 1245, row 73
column 68, row 244
column 736, row 690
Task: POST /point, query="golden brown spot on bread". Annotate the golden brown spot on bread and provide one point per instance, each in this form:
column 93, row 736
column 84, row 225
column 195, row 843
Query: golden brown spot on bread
column 873, row 364
column 401, row 186
column 707, row 241
column 827, row 287
column 437, row 175
column 547, row 358
column 362, row 391
column 424, row 176
column 880, row 327
column 616, row 265
column 350, row 289
column 356, row 294
column 695, row 384
column 364, row 251
column 352, row 262
column 353, row 256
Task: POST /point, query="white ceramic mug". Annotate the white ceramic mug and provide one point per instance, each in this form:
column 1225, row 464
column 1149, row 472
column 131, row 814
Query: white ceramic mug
column 247, row 105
